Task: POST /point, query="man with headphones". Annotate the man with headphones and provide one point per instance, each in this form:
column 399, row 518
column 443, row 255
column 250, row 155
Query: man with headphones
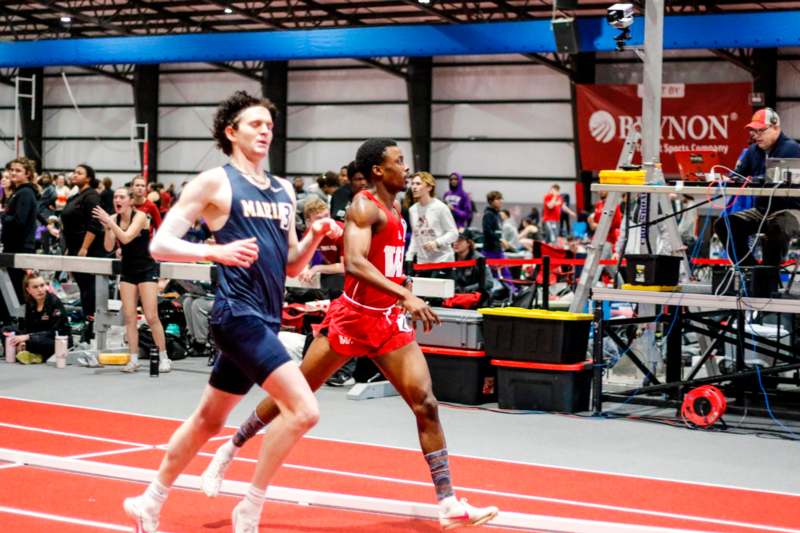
column 782, row 214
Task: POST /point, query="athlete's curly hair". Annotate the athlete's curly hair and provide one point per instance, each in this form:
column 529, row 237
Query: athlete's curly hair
column 228, row 115
column 371, row 153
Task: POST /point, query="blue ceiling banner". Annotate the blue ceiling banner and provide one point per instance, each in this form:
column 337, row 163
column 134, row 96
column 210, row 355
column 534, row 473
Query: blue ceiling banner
column 730, row 30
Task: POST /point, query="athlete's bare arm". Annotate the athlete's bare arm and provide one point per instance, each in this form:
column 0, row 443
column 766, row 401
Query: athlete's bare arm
column 205, row 196
column 362, row 216
column 114, row 232
column 300, row 252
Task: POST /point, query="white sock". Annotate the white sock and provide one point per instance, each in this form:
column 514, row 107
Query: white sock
column 445, row 503
column 162, row 356
column 253, row 500
column 156, row 494
column 134, row 358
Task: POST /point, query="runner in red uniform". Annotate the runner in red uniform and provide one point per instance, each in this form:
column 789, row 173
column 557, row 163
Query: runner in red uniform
column 370, row 319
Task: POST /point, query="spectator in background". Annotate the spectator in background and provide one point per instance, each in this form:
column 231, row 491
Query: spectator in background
column 106, row 195
column 470, row 279
column 326, row 186
column 528, row 232
column 341, row 199
column 433, row 229
column 331, row 251
column 6, row 187
column 564, row 224
column 616, row 222
column 139, row 279
column 62, row 192
column 52, row 239
column 458, row 201
column 344, row 176
column 493, row 243
column 83, row 235
column 165, row 199
column 45, row 318
column 47, row 199
column 143, row 204
column 19, row 218
column 551, row 213
column 510, row 234
column 300, row 193
column 154, row 194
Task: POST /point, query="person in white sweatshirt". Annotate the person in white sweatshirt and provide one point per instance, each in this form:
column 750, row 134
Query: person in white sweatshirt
column 433, row 230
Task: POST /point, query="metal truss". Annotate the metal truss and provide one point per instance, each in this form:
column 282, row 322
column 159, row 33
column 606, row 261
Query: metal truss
column 26, row 20
column 7, row 76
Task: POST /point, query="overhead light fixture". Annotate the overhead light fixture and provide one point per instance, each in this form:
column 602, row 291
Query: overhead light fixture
column 66, row 19
column 228, row 11
column 424, row 1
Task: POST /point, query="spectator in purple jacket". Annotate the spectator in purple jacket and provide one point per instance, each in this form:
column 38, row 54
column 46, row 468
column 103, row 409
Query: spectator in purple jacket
column 458, row 201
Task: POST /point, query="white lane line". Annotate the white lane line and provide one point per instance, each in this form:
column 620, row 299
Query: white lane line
column 64, row 519
column 333, row 500
column 461, row 488
column 568, row 468
column 479, row 458
column 71, row 434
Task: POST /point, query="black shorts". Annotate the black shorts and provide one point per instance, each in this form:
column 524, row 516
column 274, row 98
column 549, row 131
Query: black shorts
column 249, row 351
column 144, row 275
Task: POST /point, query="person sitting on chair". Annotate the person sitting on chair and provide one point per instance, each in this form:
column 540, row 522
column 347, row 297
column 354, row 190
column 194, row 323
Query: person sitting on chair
column 777, row 218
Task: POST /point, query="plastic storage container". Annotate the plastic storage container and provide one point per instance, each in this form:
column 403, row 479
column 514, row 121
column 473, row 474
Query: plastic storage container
column 460, row 328
column 543, row 387
column 460, row 376
column 653, row 270
column 535, row 334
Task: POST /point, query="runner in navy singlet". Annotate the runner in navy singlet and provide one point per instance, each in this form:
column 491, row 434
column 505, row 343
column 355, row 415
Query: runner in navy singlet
column 251, row 215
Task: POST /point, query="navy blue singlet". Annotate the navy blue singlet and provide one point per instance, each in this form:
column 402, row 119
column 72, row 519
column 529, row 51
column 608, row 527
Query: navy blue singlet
column 264, row 214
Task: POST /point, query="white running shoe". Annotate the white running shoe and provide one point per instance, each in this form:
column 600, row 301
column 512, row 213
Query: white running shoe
column 243, row 523
column 130, row 368
column 458, row 513
column 146, row 520
column 164, row 365
column 212, row 477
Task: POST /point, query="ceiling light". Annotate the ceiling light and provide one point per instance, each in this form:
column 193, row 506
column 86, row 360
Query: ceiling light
column 66, row 19
column 228, row 11
column 424, row 1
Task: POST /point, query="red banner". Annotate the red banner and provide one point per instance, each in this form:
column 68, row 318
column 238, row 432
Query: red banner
column 709, row 116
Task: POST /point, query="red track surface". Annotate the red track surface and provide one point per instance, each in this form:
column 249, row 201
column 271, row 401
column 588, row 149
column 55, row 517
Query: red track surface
column 340, row 467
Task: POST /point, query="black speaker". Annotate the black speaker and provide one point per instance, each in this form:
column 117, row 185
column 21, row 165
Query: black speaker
column 566, row 35
column 566, row 4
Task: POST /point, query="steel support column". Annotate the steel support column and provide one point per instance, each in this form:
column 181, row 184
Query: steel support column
column 583, row 71
column 651, row 87
column 145, row 102
column 32, row 127
column 275, row 86
column 765, row 74
column 419, row 84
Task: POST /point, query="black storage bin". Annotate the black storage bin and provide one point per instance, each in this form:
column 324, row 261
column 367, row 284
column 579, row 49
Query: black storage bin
column 543, row 387
column 535, row 334
column 461, row 376
column 653, row 270
column 752, row 281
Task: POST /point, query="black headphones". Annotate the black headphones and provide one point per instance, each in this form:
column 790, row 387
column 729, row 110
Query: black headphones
column 772, row 116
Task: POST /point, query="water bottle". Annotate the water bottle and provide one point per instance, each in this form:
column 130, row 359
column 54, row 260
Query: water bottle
column 154, row 362
column 11, row 351
column 61, row 351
